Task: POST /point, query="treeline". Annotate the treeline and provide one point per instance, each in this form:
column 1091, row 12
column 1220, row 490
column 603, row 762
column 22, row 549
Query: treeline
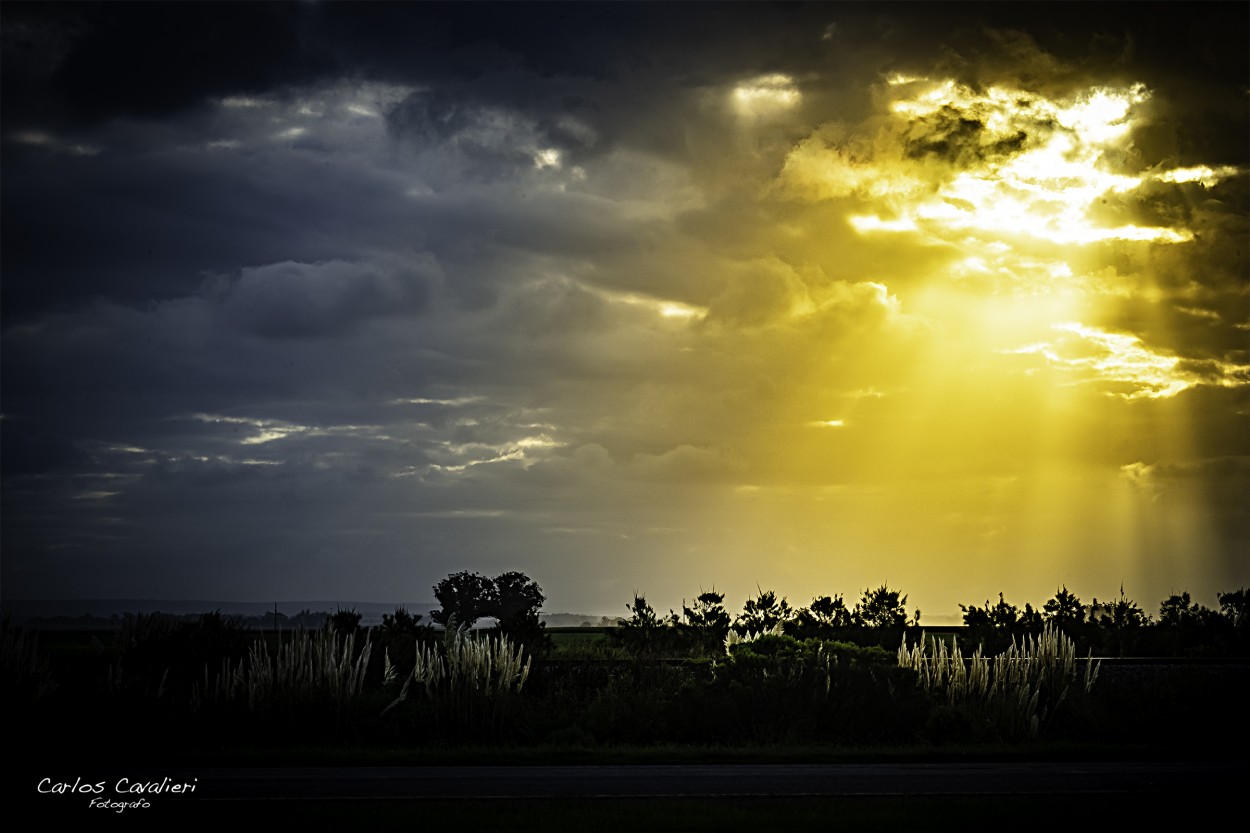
column 1120, row 627
column 704, row 626
column 827, row 673
column 1116, row 628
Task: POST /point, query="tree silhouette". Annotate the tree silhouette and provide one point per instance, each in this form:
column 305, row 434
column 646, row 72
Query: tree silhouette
column 513, row 599
column 882, row 608
column 401, row 622
column 1002, row 616
column 1065, row 611
column 706, row 623
column 1031, row 620
column 825, row 617
column 518, row 598
column 1178, row 611
column 762, row 613
column 344, row 621
column 994, row 626
column 467, row 596
column 1235, row 607
column 643, row 633
column 1120, row 623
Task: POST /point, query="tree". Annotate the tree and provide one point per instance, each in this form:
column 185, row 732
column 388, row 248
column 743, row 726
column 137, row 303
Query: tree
column 831, row 610
column 1002, row 616
column 467, row 596
column 1121, row 624
column 1235, row 607
column 1186, row 628
column 1064, row 611
column 512, row 599
column 823, row 616
column 882, row 608
column 1178, row 611
column 344, row 621
column 1120, row 614
column 642, row 615
column 401, row 622
column 1030, row 620
column 518, row 598
column 707, row 622
column 643, row 633
column 993, row 626
column 762, row 613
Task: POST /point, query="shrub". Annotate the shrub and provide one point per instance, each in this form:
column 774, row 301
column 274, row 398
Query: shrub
column 644, row 633
column 776, row 688
column 157, row 656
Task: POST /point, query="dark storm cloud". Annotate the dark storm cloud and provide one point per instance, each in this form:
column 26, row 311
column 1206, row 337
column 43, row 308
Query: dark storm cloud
column 497, row 82
column 147, row 223
column 494, row 140
column 116, row 59
column 149, row 59
column 322, row 299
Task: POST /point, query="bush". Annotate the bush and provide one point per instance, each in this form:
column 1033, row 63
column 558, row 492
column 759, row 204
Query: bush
column 776, row 688
column 160, row 657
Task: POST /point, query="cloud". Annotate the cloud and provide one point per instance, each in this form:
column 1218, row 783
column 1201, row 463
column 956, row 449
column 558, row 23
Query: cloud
column 684, row 464
column 958, row 164
column 489, row 140
column 421, row 291
column 320, row 299
column 1225, row 469
column 1122, row 366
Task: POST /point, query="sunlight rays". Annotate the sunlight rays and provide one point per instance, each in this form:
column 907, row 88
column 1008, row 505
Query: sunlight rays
column 1033, row 199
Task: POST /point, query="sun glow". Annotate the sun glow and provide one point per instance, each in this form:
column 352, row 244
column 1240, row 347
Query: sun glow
column 765, row 94
column 1012, row 228
column 1017, row 183
column 1032, row 167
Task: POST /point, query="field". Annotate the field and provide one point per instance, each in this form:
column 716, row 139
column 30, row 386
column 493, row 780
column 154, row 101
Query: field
column 199, row 701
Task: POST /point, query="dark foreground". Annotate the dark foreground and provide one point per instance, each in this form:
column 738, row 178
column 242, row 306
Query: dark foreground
column 936, row 796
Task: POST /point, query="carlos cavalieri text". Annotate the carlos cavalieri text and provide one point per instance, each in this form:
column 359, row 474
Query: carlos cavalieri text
column 131, row 791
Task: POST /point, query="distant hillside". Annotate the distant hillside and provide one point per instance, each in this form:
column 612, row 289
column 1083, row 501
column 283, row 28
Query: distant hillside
column 93, row 613
column 26, row 610
column 574, row 620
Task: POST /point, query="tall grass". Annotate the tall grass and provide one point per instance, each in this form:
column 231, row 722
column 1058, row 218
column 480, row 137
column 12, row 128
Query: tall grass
column 27, row 677
column 1016, row 692
column 734, row 638
column 318, row 669
column 465, row 681
column 159, row 658
column 139, row 670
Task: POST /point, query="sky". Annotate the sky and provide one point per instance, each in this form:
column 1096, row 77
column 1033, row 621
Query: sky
column 319, row 300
